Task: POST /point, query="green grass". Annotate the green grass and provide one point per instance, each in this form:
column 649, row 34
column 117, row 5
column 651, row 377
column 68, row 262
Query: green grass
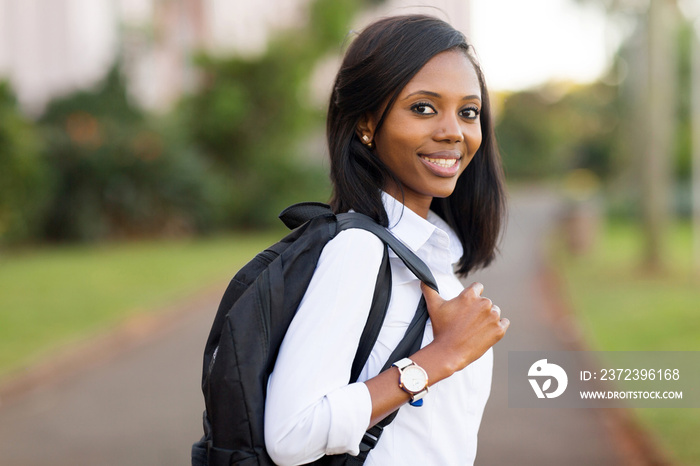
column 53, row 296
column 621, row 306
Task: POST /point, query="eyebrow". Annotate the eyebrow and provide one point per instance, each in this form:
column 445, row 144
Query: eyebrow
column 435, row 94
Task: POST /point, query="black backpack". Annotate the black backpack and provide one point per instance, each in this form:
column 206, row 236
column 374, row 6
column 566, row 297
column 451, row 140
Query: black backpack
column 253, row 317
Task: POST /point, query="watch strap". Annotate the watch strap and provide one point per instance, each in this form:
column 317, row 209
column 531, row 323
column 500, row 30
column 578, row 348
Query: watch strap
column 417, row 398
column 403, row 363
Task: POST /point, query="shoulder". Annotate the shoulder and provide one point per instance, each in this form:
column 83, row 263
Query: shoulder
column 354, row 250
column 355, row 242
column 346, row 274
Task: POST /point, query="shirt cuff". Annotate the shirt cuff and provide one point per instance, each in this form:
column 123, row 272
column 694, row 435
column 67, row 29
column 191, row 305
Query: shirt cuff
column 351, row 410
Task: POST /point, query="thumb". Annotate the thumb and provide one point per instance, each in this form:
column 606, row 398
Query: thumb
column 432, row 297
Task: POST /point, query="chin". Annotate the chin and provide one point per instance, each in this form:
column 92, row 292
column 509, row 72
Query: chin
column 444, row 192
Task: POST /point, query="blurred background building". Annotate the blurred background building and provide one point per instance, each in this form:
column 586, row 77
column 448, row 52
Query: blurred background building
column 51, row 47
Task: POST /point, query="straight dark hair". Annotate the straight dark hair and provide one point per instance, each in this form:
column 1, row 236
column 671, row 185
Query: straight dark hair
column 377, row 66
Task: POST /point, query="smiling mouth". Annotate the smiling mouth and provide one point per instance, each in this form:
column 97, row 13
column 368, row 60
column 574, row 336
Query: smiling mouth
column 446, row 163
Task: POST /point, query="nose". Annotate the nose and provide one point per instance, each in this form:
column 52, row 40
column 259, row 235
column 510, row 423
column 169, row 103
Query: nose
column 449, row 129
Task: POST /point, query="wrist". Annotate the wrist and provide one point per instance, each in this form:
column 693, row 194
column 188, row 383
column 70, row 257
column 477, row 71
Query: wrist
column 413, row 379
column 436, row 362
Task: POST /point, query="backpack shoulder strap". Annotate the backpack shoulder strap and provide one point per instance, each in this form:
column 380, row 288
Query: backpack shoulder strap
column 412, row 339
column 298, row 214
column 375, row 319
column 409, row 344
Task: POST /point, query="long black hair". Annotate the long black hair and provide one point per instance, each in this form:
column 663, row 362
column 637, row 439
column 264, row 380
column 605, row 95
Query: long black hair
column 379, row 63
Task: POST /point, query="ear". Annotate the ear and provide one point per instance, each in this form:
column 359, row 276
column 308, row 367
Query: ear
column 366, row 127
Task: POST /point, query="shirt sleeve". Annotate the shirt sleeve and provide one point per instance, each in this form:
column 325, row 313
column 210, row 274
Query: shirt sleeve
column 310, row 409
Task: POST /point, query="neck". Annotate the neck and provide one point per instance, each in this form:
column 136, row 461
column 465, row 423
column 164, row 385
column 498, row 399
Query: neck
column 418, row 204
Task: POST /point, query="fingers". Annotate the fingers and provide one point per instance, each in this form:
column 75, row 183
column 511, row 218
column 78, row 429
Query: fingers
column 431, row 296
column 433, row 300
column 503, row 322
column 477, row 288
column 476, row 291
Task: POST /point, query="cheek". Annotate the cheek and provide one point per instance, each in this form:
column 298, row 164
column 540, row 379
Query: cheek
column 395, row 149
column 473, row 141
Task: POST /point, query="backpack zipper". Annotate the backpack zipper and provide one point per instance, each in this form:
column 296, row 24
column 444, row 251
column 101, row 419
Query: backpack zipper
column 262, row 284
column 262, row 291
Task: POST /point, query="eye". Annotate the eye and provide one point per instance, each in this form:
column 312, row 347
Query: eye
column 471, row 113
column 423, row 108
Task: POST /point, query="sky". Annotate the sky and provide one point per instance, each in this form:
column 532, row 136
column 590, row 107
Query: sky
column 522, row 44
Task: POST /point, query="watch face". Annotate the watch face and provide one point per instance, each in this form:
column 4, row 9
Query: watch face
column 414, row 379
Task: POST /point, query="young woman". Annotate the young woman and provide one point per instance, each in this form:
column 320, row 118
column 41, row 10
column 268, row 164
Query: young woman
column 411, row 145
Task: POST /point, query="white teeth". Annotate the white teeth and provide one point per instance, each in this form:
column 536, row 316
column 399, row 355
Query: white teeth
column 447, row 163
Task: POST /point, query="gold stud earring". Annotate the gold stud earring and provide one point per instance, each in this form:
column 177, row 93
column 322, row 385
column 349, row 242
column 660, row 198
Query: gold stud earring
column 365, row 139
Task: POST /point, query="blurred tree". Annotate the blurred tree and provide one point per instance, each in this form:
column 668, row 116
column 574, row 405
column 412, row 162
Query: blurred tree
column 649, row 95
column 651, row 90
column 117, row 173
column 23, row 175
column 252, row 115
column 556, row 128
column 695, row 140
column 683, row 138
column 230, row 155
column 661, row 123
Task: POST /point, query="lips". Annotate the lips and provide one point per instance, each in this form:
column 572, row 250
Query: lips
column 444, row 163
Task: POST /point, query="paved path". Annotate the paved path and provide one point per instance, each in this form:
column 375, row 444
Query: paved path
column 142, row 406
column 537, row 437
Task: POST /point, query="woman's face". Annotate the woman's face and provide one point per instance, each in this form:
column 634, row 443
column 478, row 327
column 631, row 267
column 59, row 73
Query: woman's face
column 432, row 131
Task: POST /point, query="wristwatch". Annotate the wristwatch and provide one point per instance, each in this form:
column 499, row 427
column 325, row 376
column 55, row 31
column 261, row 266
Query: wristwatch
column 413, row 380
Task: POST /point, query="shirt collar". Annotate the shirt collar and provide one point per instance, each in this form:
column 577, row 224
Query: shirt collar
column 416, row 232
column 454, row 244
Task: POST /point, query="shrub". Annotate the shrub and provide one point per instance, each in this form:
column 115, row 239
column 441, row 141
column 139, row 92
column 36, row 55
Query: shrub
column 24, row 178
column 118, row 173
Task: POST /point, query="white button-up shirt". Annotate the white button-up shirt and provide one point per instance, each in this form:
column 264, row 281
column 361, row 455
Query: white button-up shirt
column 311, row 410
